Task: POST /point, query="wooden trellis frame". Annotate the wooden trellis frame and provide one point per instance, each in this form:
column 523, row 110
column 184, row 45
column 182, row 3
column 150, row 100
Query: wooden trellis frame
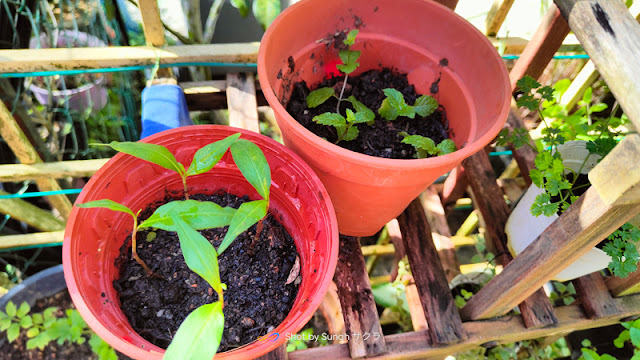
column 609, row 34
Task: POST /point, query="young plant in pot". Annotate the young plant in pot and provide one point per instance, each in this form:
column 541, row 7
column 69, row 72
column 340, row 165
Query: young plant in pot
column 560, row 177
column 376, row 100
column 185, row 283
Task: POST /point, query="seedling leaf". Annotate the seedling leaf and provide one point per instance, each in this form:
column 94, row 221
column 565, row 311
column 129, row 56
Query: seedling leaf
column 318, row 96
column 242, row 7
column 362, row 108
column 248, row 214
column 253, row 165
column 11, row 309
column 351, row 37
column 331, row 119
column 209, row 155
column 446, row 146
column 394, row 105
column 199, row 255
column 199, row 335
column 425, row 105
column 352, row 134
column 108, row 204
column 23, row 309
column 13, row 332
column 349, row 61
column 197, row 214
column 153, row 153
column 266, row 11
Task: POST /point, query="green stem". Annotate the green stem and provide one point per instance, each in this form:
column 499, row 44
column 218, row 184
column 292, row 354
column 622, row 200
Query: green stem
column 184, row 183
column 134, row 250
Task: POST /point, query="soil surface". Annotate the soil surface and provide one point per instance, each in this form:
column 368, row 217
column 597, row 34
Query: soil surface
column 256, row 300
column 382, row 138
column 17, row 350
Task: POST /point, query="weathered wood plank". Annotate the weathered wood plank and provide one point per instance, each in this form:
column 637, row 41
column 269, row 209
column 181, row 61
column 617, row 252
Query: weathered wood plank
column 210, row 95
column 617, row 177
column 441, row 233
column 24, row 211
column 241, row 99
column 153, row 30
column 445, row 326
column 43, row 238
column 540, row 50
column 26, row 154
column 28, row 60
column 418, row 319
column 357, row 302
column 497, row 14
column 526, row 155
column 55, row 170
column 609, row 34
column 577, row 230
column 624, row 286
column 279, row 353
column 451, row 4
column 585, row 78
column 594, row 296
column 413, row 345
column 537, row 310
column 332, row 312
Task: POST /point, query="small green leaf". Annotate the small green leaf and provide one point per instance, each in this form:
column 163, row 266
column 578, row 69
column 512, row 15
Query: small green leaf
column 586, row 96
column 420, row 142
column 542, row 205
column 248, row 214
column 11, row 309
column 446, row 146
column 48, row 312
column 597, row 108
column 394, row 105
column 108, row 204
column 635, row 336
column 351, row 37
column 26, row 322
column 266, row 11
column 197, row 214
column 619, row 341
column 352, row 134
column 425, row 105
column 153, row 153
column 13, row 332
column 199, row 255
column 349, row 61
column 209, row 155
column 253, row 165
column 318, row 96
column 242, row 6
column 362, row 108
column 589, row 354
column 199, row 335
column 37, row 318
column 536, row 177
column 331, row 119
column 33, row 332
column 23, row 310
column 5, row 323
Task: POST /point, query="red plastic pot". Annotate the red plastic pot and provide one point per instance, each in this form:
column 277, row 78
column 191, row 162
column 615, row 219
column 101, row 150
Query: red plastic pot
column 93, row 237
column 414, row 36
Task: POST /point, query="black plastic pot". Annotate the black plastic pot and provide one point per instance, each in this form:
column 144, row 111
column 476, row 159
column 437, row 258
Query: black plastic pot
column 41, row 285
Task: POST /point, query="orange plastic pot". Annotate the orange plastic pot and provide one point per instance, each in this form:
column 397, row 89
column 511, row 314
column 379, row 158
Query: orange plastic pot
column 427, row 41
column 93, row 237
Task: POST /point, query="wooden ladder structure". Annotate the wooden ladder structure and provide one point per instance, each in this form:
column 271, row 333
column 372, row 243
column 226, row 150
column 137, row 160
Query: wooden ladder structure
column 608, row 33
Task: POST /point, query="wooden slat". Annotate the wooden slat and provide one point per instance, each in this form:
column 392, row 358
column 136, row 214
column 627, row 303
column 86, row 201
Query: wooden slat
column 56, row 170
column 12, row 241
column 585, row 78
column 445, row 326
column 357, row 302
column 210, row 95
column 241, row 99
column 26, row 154
column 332, row 312
column 497, row 14
column 454, row 186
column 451, row 4
column 153, row 30
column 617, row 176
column 540, row 50
column 624, row 286
column 418, row 319
column 594, row 296
column 441, row 233
column 28, row 60
column 395, row 236
column 526, row 155
column 279, row 353
column 610, row 36
column 501, row 330
column 574, row 233
column 537, row 310
column 36, row 217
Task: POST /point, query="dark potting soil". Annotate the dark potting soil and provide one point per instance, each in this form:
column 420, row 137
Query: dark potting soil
column 380, row 139
column 256, row 300
column 17, row 350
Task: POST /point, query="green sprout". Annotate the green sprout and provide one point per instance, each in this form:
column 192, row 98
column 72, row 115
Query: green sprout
column 44, row 327
column 394, row 105
column 425, row 146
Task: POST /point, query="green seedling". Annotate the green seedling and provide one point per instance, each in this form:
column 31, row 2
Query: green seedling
column 203, row 160
column 425, row 146
column 394, row 105
column 44, row 327
column 199, row 336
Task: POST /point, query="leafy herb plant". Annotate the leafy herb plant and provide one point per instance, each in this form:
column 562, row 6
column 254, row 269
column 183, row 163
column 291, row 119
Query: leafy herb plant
column 199, row 336
column 550, row 174
column 44, row 327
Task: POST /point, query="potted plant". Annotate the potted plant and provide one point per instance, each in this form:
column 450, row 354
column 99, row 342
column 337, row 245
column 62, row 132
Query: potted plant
column 95, row 239
column 440, row 55
column 84, row 91
column 560, row 177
